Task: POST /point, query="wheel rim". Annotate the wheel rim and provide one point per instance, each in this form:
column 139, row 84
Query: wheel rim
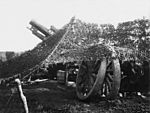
column 90, row 78
column 111, row 84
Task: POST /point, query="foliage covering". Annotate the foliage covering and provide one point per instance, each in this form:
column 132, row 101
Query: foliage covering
column 79, row 40
column 130, row 40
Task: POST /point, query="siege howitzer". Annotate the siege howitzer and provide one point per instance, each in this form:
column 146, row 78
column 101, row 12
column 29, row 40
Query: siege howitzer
column 99, row 66
column 98, row 73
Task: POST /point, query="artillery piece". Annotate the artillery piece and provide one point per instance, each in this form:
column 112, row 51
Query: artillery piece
column 100, row 75
column 99, row 68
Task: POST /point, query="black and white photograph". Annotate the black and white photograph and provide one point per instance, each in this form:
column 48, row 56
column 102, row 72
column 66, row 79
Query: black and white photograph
column 74, row 56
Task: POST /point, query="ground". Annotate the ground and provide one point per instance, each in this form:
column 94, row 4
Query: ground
column 51, row 97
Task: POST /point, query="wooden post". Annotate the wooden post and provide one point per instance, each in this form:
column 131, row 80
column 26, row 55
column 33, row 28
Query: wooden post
column 22, row 95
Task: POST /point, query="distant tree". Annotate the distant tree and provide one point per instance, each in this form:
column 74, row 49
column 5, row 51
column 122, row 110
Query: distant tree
column 134, row 34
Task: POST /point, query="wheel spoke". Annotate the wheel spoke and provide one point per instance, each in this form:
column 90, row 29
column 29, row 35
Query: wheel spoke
column 108, row 83
column 108, row 64
column 94, row 76
column 97, row 65
column 103, row 88
column 88, row 78
column 109, row 76
column 92, row 79
column 103, row 92
column 112, row 79
column 110, row 69
column 107, row 89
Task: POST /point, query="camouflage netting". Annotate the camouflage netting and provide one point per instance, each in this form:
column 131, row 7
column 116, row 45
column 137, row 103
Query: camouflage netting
column 82, row 41
column 76, row 41
column 91, row 53
column 79, row 43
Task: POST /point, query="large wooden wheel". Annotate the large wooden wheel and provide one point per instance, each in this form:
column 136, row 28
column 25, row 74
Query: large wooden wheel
column 90, row 78
column 111, row 84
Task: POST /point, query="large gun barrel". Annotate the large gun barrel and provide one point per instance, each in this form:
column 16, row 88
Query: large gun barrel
column 40, row 27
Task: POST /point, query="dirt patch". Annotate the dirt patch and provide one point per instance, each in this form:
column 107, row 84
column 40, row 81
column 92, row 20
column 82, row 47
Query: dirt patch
column 56, row 98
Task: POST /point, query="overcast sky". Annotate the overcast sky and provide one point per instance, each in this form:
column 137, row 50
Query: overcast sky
column 16, row 14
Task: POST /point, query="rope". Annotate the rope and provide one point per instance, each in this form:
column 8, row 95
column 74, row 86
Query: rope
column 63, row 38
column 33, row 70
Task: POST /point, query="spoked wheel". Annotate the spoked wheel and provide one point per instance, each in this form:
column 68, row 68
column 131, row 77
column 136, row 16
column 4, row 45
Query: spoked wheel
column 90, row 78
column 111, row 84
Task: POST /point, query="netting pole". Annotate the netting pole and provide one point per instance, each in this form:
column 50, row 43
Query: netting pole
column 23, row 98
